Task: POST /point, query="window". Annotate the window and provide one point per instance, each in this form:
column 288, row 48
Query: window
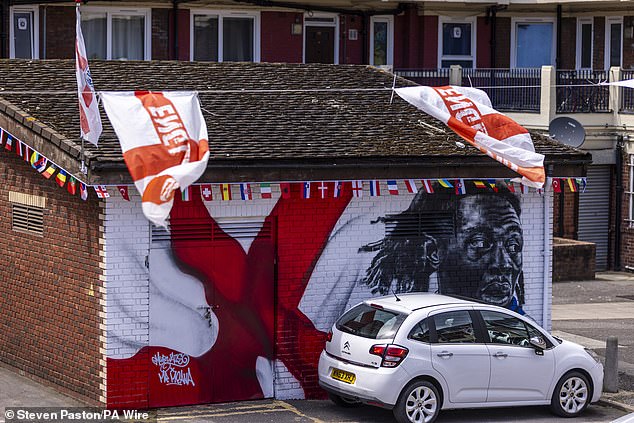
column 454, row 327
column 630, row 192
column 370, row 322
column 116, row 34
column 421, row 332
column 613, row 42
column 225, row 37
column 533, row 43
column 457, row 43
column 584, row 43
column 505, row 329
column 24, row 33
column 382, row 41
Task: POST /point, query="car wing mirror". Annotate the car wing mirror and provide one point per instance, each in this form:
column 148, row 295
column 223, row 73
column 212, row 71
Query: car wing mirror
column 539, row 344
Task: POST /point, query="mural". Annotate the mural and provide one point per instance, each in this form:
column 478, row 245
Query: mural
column 227, row 310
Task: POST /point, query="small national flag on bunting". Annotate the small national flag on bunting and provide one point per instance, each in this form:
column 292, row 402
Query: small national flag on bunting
column 493, row 184
column 323, row 189
column 27, row 153
column 337, row 189
column 101, row 191
column 306, row 190
column 40, row 163
column 1, row 136
column 9, row 142
column 225, row 190
column 123, row 190
column 49, row 171
column 392, row 187
column 245, row 191
column 375, row 189
column 186, row 194
column 581, row 182
column 71, row 186
column 83, row 191
column 206, row 192
column 479, row 184
column 427, row 185
column 410, row 184
column 523, row 189
column 19, row 148
column 357, row 188
column 285, row 188
column 460, row 188
column 61, row 178
column 265, row 190
column 509, row 185
column 572, row 184
column 445, row 183
column 556, row 185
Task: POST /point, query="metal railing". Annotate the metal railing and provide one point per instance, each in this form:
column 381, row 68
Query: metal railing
column 626, row 94
column 517, row 89
column 430, row 77
column 577, row 93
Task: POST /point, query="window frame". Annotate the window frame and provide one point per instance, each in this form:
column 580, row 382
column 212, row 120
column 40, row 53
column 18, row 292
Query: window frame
column 390, row 38
column 580, row 23
column 448, row 20
column 35, row 45
column 110, row 11
column 221, row 14
column 516, row 21
column 476, row 322
column 630, row 191
column 609, row 20
column 334, row 24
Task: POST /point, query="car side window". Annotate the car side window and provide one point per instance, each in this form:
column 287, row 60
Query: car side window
column 505, row 329
column 420, row 332
column 454, row 327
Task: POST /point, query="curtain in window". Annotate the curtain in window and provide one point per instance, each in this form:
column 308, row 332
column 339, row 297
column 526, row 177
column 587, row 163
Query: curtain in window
column 237, row 42
column 93, row 26
column 206, row 38
column 128, row 37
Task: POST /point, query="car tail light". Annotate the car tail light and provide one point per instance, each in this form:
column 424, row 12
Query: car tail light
column 392, row 355
column 329, row 336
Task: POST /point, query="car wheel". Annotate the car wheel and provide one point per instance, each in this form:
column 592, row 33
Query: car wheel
column 419, row 403
column 571, row 395
column 343, row 401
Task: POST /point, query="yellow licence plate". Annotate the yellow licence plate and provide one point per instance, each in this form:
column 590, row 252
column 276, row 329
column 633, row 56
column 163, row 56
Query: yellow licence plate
column 343, row 376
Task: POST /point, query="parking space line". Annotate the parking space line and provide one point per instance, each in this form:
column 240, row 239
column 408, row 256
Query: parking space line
column 296, row 411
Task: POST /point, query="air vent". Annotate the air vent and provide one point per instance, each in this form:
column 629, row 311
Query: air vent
column 29, row 219
column 412, row 225
column 200, row 230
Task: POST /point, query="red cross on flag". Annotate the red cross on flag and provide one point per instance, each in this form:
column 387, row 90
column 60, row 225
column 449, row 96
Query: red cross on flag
column 163, row 138
column 469, row 113
column 102, row 191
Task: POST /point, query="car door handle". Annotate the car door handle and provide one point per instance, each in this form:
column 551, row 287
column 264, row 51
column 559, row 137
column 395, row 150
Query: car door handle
column 445, row 354
column 500, row 355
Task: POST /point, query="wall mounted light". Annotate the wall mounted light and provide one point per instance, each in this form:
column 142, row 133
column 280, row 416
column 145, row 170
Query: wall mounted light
column 297, row 27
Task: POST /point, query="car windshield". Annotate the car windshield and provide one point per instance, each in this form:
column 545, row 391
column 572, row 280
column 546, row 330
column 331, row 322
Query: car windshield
column 370, row 322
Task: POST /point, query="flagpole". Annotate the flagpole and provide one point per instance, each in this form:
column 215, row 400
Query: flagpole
column 393, row 86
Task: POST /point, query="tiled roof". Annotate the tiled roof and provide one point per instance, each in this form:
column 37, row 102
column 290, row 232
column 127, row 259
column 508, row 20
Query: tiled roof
column 306, row 113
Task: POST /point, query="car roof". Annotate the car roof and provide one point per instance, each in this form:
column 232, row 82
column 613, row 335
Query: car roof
column 416, row 300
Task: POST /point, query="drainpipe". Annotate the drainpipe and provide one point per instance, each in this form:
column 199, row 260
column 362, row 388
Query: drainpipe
column 366, row 39
column 547, row 255
column 175, row 26
column 558, row 54
column 619, row 203
column 560, row 229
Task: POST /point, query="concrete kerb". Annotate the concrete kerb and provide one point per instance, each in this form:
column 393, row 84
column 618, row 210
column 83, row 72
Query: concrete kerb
column 617, row 404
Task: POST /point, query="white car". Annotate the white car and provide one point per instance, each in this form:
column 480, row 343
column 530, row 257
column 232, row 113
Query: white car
column 420, row 353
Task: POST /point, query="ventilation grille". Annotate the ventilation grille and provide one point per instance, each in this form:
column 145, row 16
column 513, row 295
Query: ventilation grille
column 411, row 225
column 28, row 219
column 200, row 230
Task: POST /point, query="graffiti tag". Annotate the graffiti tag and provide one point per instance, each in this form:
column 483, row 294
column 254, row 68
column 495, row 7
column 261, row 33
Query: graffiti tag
column 173, row 369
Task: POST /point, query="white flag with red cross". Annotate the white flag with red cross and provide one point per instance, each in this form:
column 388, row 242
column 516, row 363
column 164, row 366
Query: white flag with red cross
column 89, row 119
column 163, row 138
column 469, row 113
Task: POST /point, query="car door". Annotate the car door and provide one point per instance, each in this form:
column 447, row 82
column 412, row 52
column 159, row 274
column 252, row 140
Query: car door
column 460, row 356
column 518, row 371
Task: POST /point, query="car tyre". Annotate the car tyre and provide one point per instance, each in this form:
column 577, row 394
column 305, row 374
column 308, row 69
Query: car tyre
column 419, row 402
column 343, row 401
column 571, row 395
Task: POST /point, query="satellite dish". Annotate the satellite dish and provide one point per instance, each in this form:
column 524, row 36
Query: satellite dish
column 567, row 131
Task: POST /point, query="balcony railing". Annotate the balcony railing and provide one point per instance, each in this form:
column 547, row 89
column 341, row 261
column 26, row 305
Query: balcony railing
column 429, row 77
column 627, row 94
column 578, row 91
column 508, row 89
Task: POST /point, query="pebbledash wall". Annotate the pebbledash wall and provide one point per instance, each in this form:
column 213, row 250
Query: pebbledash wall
column 235, row 303
column 50, row 291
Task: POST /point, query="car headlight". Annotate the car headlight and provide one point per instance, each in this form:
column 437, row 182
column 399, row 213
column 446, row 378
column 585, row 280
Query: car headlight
column 593, row 355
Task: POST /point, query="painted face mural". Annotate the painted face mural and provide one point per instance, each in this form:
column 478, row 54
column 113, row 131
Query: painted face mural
column 238, row 305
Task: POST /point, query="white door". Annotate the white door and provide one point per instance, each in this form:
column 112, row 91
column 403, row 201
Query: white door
column 518, row 373
column 459, row 357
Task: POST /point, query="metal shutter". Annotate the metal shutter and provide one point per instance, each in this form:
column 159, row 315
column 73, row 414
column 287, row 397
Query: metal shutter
column 594, row 213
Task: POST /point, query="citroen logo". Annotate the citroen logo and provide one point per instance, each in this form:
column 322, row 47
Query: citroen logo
column 346, row 346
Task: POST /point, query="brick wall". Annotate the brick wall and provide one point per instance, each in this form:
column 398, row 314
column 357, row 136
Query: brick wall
column 60, row 32
column 627, row 228
column 503, row 42
column 161, row 28
column 277, row 43
column 50, row 286
column 598, row 42
column 628, row 42
column 568, row 226
column 568, row 43
column 483, row 39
